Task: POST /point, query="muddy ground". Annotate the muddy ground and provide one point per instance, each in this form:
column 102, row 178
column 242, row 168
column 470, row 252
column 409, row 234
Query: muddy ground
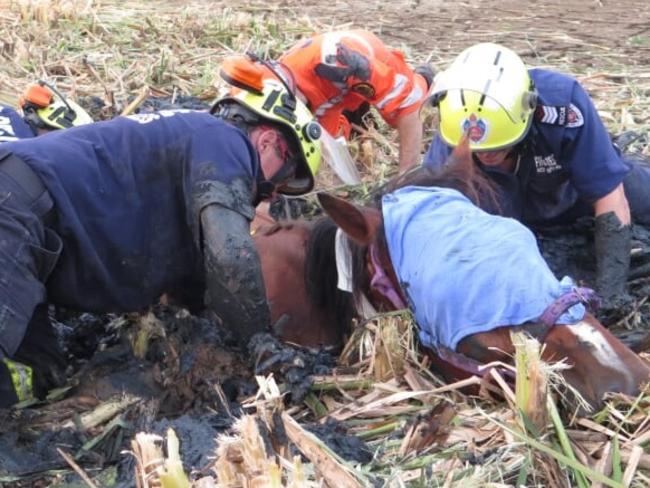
column 182, row 371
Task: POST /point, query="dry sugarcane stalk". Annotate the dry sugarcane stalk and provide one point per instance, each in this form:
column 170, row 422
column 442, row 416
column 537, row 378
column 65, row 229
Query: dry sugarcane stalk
column 130, row 108
column 632, row 465
column 101, row 414
column 604, row 464
column 148, row 456
column 531, row 386
column 331, row 470
column 172, row 474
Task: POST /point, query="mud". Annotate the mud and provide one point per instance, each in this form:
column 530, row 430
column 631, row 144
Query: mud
column 570, row 250
column 24, row 452
column 98, row 109
column 197, row 434
column 174, row 364
column 293, row 366
column 349, row 447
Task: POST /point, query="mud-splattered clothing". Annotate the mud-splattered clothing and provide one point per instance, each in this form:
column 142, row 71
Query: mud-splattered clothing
column 567, row 160
column 341, row 70
column 127, row 197
column 482, row 271
column 12, row 126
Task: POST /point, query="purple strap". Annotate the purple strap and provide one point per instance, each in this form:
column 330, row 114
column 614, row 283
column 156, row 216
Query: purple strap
column 382, row 284
column 568, row 300
column 548, row 318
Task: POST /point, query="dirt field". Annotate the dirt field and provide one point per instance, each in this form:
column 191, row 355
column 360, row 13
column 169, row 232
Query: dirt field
column 592, row 34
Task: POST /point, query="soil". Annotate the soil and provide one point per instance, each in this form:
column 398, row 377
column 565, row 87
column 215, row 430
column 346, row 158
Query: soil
column 586, row 33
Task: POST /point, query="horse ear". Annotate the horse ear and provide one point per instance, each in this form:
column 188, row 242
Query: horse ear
column 461, row 156
column 360, row 223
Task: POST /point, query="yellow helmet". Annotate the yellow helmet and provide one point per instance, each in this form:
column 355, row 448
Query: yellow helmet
column 270, row 100
column 45, row 108
column 487, row 94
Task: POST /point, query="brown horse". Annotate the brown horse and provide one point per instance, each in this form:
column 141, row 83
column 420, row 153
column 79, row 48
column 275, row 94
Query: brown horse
column 599, row 362
column 300, row 317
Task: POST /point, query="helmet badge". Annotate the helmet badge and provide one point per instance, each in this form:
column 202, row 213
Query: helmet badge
column 475, row 127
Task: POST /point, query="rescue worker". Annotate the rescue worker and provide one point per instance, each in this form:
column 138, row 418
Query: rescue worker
column 44, row 109
column 12, row 125
column 109, row 216
column 538, row 136
column 341, row 72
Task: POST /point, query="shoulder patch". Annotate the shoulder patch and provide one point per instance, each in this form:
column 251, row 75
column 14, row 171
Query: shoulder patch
column 574, row 117
column 560, row 115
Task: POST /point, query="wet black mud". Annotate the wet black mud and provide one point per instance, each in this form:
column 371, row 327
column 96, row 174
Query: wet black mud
column 98, row 109
column 349, row 447
column 190, row 376
column 570, row 251
column 295, row 366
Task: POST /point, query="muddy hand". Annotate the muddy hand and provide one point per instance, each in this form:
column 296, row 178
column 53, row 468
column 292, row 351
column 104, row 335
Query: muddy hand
column 235, row 287
column 271, row 355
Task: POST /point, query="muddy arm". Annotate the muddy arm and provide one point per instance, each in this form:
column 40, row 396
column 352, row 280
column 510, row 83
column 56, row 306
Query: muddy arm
column 234, row 284
column 612, row 239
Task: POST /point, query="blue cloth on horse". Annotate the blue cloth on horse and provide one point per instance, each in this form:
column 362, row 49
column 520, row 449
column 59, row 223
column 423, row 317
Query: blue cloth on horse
column 463, row 270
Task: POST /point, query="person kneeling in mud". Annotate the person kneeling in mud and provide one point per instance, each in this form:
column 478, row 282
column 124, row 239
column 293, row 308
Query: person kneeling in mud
column 109, row 216
column 537, row 135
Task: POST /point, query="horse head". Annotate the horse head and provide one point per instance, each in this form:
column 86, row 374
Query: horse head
column 297, row 317
column 599, row 362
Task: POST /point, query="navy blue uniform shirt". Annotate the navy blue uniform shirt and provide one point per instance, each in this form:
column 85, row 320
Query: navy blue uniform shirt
column 128, row 195
column 12, row 125
column 567, row 159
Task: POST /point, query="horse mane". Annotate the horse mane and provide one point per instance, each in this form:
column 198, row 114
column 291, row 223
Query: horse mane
column 459, row 172
column 321, row 276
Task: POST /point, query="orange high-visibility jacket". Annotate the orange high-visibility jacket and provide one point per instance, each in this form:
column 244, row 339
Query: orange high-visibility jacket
column 339, row 71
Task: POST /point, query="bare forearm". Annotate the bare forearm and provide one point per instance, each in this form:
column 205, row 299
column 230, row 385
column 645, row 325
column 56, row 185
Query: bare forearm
column 616, row 202
column 409, row 129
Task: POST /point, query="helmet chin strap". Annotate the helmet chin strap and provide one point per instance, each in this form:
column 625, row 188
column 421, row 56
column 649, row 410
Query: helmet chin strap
column 265, row 191
column 266, row 188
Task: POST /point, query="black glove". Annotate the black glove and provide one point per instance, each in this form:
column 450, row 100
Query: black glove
column 234, row 284
column 354, row 65
column 612, row 242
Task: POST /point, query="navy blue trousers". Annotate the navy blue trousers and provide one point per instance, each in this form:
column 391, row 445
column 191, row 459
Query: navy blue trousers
column 28, row 253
